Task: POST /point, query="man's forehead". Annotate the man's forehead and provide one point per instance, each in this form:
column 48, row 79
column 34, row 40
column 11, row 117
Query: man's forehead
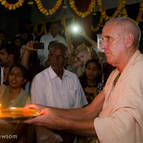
column 57, row 50
column 111, row 28
column 114, row 25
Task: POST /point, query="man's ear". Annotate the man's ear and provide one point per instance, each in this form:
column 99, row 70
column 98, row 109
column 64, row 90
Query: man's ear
column 129, row 40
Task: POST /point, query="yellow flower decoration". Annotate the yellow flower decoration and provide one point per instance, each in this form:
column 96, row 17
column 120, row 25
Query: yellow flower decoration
column 139, row 17
column 50, row 11
column 121, row 5
column 12, row 6
column 82, row 14
column 43, row 29
column 124, row 12
column 95, row 29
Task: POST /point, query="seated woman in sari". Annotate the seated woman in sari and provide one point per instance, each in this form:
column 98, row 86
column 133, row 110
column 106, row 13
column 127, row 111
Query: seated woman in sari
column 13, row 95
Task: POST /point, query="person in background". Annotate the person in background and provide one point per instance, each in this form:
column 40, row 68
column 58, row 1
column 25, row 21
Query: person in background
column 91, row 79
column 48, row 86
column 82, row 54
column 17, row 44
column 25, row 36
column 8, row 57
column 120, row 103
column 30, row 61
column 53, row 34
column 57, row 87
column 13, row 95
column 93, row 50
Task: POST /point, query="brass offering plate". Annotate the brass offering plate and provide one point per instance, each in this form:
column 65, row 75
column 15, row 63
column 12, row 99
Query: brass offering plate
column 18, row 113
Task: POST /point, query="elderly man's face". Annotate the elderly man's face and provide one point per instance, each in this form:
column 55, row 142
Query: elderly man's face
column 114, row 44
column 57, row 58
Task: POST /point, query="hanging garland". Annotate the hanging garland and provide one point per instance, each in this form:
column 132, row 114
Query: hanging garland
column 124, row 12
column 82, row 14
column 139, row 17
column 35, row 29
column 12, row 6
column 50, row 11
column 94, row 29
column 45, row 28
column 121, row 5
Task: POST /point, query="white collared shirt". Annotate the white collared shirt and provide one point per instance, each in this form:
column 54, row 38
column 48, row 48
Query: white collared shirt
column 49, row 90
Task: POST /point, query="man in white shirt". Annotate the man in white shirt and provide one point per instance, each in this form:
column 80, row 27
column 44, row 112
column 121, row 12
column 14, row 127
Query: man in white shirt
column 55, row 86
column 46, row 39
